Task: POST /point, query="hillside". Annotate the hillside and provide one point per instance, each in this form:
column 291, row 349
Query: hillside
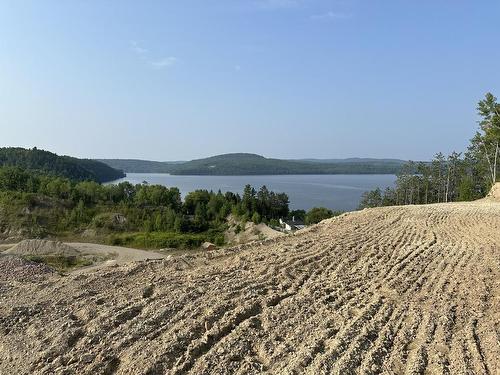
column 356, row 160
column 408, row 289
column 141, row 166
column 251, row 164
column 64, row 166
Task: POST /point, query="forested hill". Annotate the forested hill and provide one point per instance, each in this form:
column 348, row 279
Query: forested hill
column 251, row 164
column 64, row 166
column 140, row 166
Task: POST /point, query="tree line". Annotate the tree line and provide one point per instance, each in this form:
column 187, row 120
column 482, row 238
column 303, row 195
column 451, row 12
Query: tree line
column 59, row 204
column 65, row 166
column 456, row 177
column 42, row 205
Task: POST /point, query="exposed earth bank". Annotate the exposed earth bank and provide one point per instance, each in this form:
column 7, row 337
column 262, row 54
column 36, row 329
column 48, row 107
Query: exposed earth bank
column 412, row 289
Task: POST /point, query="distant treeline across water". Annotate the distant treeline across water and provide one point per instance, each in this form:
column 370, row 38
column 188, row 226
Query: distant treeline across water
column 242, row 164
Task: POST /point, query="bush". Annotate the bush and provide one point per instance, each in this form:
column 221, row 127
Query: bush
column 274, row 223
column 219, row 240
column 110, row 221
column 116, row 241
column 317, row 214
column 158, row 240
column 371, row 198
column 256, row 218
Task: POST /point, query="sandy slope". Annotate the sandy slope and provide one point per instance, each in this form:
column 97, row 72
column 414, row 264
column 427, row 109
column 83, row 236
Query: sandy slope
column 412, row 289
column 249, row 232
column 112, row 255
column 119, row 255
column 42, row 247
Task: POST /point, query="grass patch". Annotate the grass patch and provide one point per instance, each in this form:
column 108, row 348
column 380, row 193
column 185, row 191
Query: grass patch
column 159, row 240
column 61, row 263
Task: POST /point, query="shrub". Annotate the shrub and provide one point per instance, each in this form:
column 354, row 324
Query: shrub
column 317, row 214
column 219, row 240
column 256, row 218
column 60, row 263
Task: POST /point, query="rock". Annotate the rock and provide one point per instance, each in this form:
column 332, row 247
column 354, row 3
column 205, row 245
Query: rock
column 147, row 291
column 87, row 358
column 14, row 268
column 208, row 246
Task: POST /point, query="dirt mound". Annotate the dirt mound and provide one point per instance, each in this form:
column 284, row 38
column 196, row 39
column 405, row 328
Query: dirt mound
column 14, row 268
column 240, row 233
column 105, row 255
column 391, row 290
column 42, row 247
column 4, row 247
column 494, row 193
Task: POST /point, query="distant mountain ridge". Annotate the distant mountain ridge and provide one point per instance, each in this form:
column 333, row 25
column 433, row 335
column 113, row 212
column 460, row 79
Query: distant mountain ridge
column 354, row 160
column 253, row 164
column 141, row 166
column 64, row 166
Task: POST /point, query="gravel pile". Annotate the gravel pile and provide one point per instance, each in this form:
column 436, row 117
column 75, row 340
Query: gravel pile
column 18, row 269
column 42, row 247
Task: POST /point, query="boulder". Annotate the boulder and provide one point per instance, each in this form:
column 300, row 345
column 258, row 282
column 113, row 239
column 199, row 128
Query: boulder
column 208, row 246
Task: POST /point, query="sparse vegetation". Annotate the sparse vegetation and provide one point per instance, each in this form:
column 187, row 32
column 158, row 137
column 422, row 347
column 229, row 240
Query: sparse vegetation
column 60, row 263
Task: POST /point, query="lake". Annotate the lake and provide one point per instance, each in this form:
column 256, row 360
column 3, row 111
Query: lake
column 337, row 192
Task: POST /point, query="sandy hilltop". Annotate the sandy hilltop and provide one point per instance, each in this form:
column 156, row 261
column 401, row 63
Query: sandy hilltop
column 409, row 289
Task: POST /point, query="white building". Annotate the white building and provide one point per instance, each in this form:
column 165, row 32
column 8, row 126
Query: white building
column 292, row 225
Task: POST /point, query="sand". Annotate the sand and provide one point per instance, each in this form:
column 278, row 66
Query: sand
column 42, row 247
column 394, row 290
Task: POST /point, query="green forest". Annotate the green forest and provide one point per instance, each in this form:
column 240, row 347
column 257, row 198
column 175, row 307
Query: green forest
column 141, row 166
column 456, row 177
column 65, row 166
column 252, row 164
column 145, row 216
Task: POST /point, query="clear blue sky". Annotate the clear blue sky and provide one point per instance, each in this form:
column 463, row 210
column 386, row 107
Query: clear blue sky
column 176, row 80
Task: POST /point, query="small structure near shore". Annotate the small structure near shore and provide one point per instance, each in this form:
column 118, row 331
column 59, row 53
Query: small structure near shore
column 292, row 225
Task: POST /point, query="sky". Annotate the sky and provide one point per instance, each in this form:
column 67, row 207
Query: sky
column 178, row 80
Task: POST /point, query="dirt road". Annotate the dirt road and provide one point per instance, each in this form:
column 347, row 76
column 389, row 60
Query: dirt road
column 117, row 254
column 394, row 290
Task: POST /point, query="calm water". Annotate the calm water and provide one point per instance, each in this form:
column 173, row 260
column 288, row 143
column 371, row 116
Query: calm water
column 337, row 192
